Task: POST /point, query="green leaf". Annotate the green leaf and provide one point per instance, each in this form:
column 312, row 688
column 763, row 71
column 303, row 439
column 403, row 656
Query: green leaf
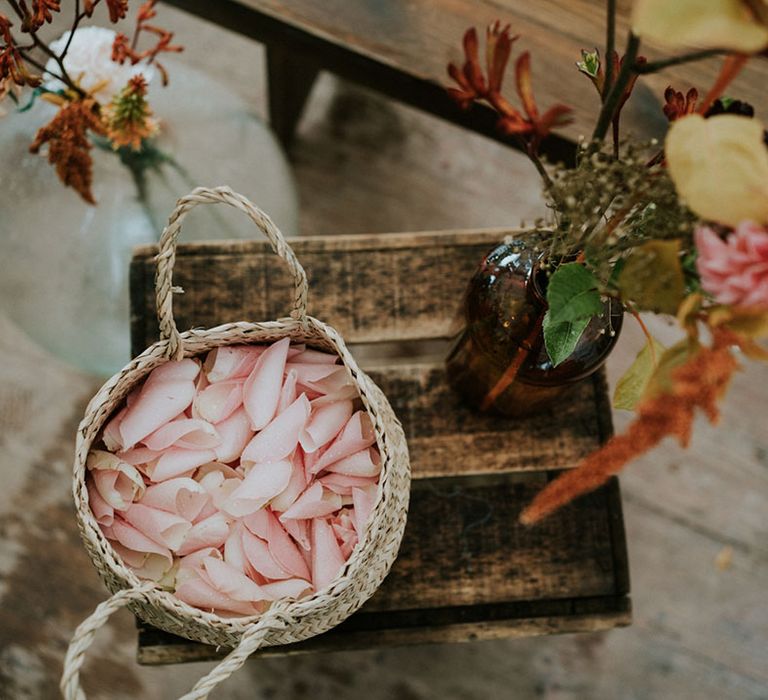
column 631, row 387
column 652, row 277
column 590, row 63
column 572, row 294
column 560, row 338
column 678, row 354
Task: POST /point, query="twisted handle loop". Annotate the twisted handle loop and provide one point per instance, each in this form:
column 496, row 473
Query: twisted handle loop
column 166, row 258
column 84, row 634
column 273, row 620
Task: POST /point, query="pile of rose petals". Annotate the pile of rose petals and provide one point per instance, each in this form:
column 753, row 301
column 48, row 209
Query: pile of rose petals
column 239, row 482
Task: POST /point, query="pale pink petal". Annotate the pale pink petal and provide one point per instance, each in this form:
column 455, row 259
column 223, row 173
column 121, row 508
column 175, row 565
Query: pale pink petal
column 189, row 433
column 117, row 482
column 357, row 434
column 364, row 500
column 284, row 551
column 346, row 392
column 111, row 434
column 175, row 462
column 211, row 532
column 102, row 511
column 344, row 529
column 219, row 401
column 327, row 558
column 219, row 487
column 258, row 523
column 235, row 433
column 290, row 588
column 279, row 439
column 233, row 583
column 226, row 471
column 259, row 557
column 315, row 502
column 288, row 393
column 299, row 531
column 285, row 499
column 231, row 362
column 324, row 424
column 261, row 391
column 133, row 539
column 138, row 456
column 233, row 548
column 315, row 357
column 343, row 484
column 195, row 560
column 167, row 391
column 262, row 483
column 196, row 592
column 337, row 382
column 145, row 565
column 365, row 463
column 183, row 496
column 165, row 528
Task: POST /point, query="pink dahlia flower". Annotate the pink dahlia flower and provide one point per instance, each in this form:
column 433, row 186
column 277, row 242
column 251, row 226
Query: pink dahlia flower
column 735, row 270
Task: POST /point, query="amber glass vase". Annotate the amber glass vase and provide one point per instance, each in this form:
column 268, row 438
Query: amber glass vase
column 499, row 362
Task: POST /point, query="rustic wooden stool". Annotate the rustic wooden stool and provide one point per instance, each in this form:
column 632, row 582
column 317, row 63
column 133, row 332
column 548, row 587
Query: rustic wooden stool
column 467, row 570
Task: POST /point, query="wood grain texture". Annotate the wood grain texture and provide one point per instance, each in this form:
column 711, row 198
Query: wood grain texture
column 466, row 568
column 402, row 47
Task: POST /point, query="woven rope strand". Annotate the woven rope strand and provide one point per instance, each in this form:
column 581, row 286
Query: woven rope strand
column 83, row 638
column 166, row 258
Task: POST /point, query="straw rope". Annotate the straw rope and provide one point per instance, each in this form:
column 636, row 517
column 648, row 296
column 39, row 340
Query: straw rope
column 286, row 621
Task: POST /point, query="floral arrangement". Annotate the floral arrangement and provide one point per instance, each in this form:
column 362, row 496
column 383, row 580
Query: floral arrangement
column 657, row 227
column 95, row 76
column 241, row 481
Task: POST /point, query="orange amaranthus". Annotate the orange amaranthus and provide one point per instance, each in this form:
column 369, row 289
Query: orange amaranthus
column 69, row 146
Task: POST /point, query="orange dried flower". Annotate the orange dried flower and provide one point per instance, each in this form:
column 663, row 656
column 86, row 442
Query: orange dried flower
column 68, row 144
column 697, row 384
column 676, row 105
column 42, row 11
column 128, row 118
column 118, row 9
column 12, row 64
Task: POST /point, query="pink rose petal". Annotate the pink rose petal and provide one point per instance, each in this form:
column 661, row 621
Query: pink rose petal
column 343, row 484
column 235, row 433
column 315, row 502
column 327, row 558
column 299, row 531
column 117, row 482
column 111, row 434
column 357, row 434
column 183, row 496
column 290, row 588
column 211, row 532
column 288, row 393
column 315, row 357
column 279, row 439
column 325, row 424
column 234, row 554
column 231, row 582
column 231, row 362
column 259, row 557
column 196, row 592
column 219, row 401
column 284, row 551
column 188, row 433
column 261, row 391
column 258, row 523
column 262, row 483
column 165, row 528
column 133, row 539
column 286, row 498
column 365, row 463
column 175, row 462
column 102, row 511
column 364, row 500
column 167, row 391
column 138, row 456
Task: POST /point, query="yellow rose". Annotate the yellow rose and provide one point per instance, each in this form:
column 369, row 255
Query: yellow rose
column 721, row 24
column 720, row 167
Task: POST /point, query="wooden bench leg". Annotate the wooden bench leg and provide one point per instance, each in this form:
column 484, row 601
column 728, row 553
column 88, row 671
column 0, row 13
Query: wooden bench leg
column 289, row 81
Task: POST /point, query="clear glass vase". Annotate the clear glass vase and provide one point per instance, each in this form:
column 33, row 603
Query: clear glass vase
column 498, row 361
column 64, row 263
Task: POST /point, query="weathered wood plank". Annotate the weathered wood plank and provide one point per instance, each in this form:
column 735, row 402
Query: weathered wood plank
column 467, row 569
column 371, row 288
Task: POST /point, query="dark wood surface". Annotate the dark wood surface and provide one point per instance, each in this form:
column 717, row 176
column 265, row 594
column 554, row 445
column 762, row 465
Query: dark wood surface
column 401, row 48
column 467, row 569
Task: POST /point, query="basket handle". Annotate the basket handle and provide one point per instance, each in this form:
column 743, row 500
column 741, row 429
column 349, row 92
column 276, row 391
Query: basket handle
column 166, row 258
column 274, row 619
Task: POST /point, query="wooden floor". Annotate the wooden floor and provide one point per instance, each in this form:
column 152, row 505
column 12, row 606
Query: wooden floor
column 696, row 521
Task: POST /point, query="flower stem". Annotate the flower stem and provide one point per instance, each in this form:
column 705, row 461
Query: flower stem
column 613, row 97
column 610, row 46
column 655, row 66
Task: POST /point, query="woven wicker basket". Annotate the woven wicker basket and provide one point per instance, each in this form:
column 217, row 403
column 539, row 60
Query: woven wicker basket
column 286, row 621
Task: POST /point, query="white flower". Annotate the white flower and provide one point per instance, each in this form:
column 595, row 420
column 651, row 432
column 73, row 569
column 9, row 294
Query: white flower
column 89, row 63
